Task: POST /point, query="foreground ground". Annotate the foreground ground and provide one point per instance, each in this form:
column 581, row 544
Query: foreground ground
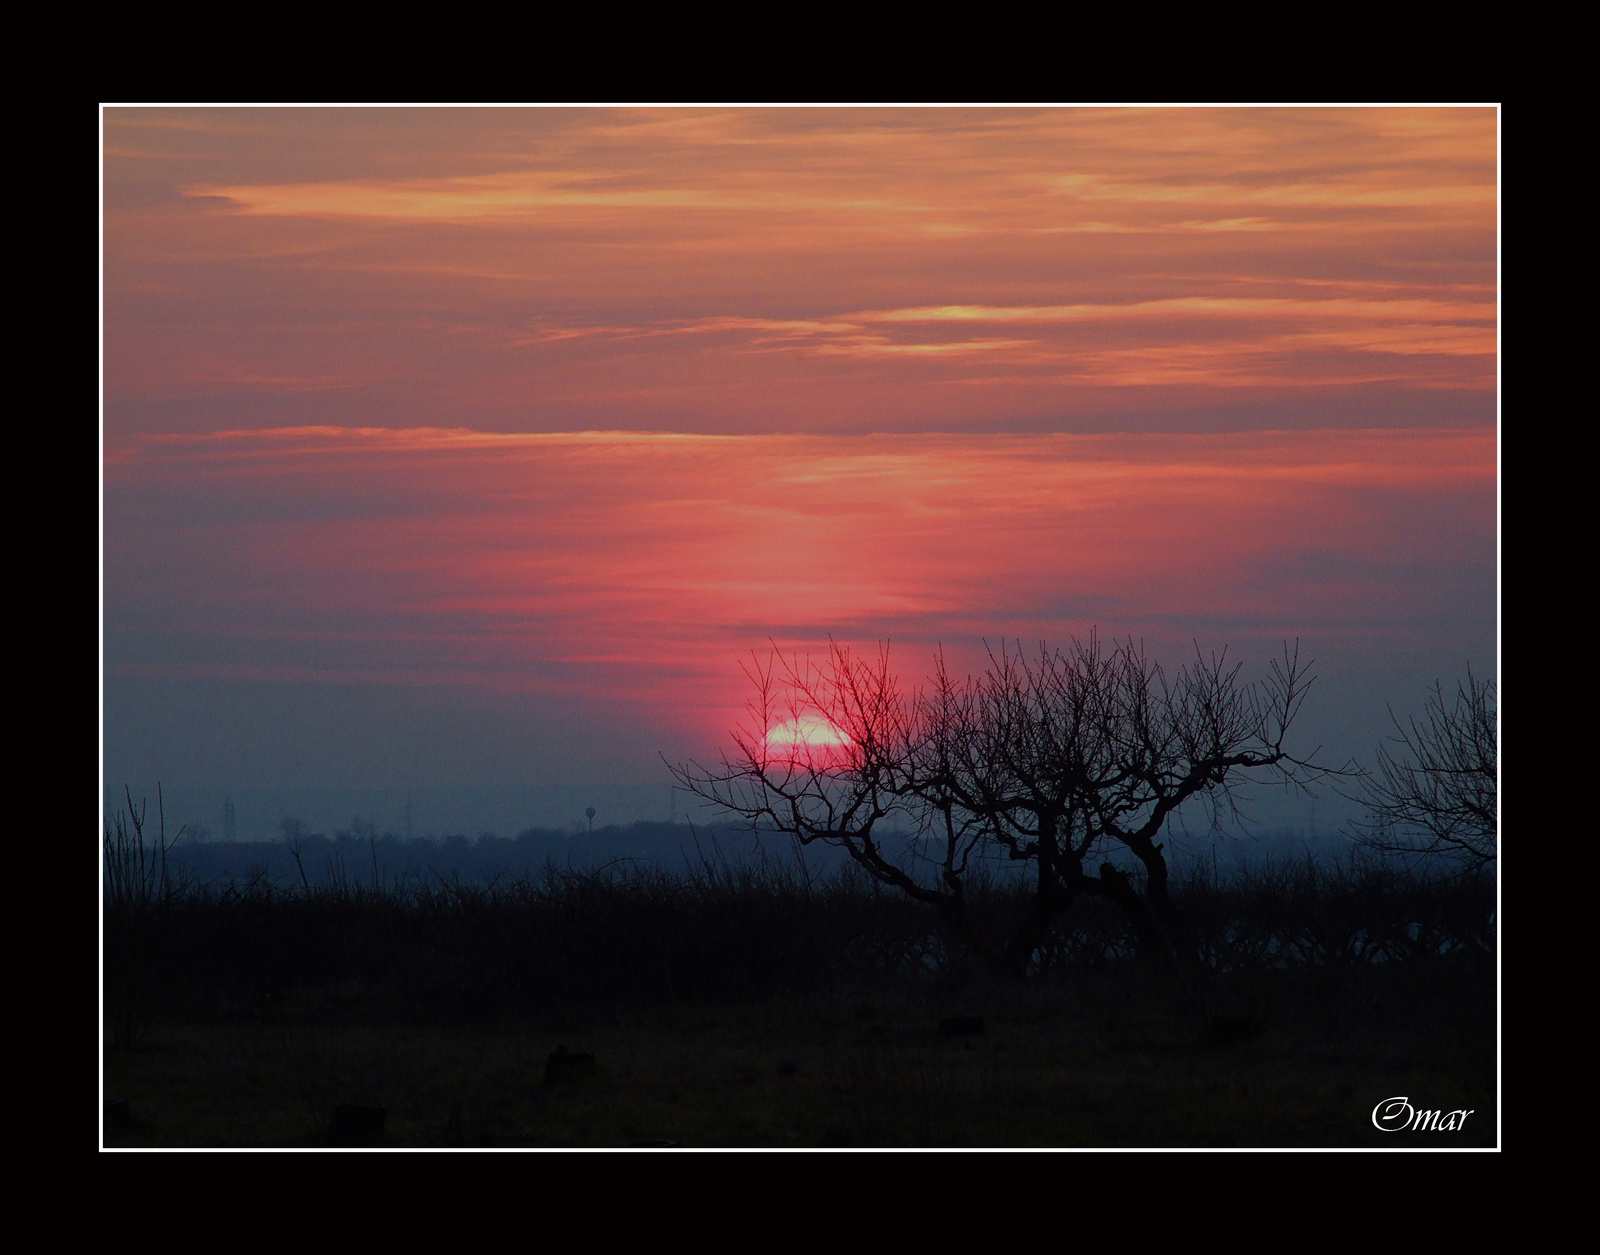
column 1117, row 1059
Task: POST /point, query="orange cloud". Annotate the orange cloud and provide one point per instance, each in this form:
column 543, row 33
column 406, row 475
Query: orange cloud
column 759, row 270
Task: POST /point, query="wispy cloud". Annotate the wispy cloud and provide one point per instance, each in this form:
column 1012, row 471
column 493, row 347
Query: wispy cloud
column 648, row 563
column 1223, row 341
column 757, row 270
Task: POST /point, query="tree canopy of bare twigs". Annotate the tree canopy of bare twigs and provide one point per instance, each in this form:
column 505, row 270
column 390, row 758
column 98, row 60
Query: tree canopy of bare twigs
column 1056, row 760
column 1434, row 790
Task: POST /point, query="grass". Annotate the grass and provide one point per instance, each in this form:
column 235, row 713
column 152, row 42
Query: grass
column 749, row 1007
column 1113, row 1060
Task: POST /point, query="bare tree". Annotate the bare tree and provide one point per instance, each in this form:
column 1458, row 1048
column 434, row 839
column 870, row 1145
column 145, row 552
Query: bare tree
column 826, row 753
column 1057, row 761
column 1435, row 788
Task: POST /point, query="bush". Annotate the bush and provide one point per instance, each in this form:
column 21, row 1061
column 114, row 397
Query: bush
column 722, row 934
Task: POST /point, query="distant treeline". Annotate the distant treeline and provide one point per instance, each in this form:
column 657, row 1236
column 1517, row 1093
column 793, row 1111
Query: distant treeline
column 366, row 858
column 355, row 857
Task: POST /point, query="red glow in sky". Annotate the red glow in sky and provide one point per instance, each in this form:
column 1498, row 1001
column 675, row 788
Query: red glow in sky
column 592, row 403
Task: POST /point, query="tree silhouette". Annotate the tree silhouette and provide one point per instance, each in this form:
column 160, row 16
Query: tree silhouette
column 1058, row 761
column 1435, row 789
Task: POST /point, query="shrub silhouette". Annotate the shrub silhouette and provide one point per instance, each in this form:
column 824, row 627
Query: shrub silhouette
column 1435, row 788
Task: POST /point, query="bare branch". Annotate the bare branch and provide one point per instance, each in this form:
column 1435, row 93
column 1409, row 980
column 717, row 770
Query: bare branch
column 1435, row 787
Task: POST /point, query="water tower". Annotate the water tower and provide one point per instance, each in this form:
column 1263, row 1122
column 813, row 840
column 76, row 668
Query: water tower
column 590, row 814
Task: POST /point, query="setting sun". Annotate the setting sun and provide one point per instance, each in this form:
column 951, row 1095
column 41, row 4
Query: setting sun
column 808, row 730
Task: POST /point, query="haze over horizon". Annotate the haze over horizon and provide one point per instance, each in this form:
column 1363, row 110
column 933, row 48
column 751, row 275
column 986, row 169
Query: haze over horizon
column 476, row 449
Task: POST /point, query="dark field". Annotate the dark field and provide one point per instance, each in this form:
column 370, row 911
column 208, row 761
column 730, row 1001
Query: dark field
column 745, row 1007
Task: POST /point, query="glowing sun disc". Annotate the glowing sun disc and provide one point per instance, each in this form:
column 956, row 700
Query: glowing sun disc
column 808, row 730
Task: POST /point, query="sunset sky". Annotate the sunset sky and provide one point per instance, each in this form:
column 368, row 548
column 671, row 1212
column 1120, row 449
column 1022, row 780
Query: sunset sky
column 467, row 448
